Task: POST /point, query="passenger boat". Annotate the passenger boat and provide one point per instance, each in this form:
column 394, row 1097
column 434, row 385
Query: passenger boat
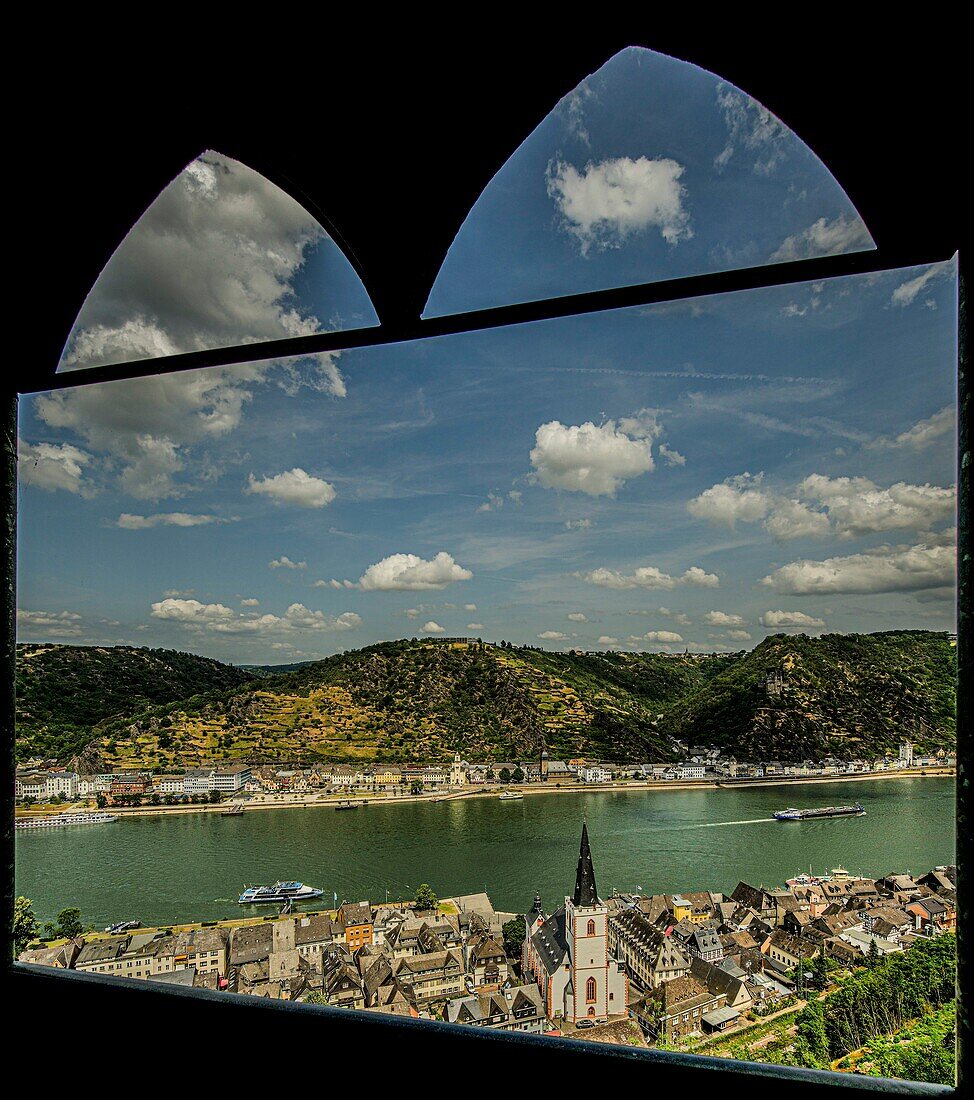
column 278, row 893
column 510, row 796
column 791, row 814
column 54, row 821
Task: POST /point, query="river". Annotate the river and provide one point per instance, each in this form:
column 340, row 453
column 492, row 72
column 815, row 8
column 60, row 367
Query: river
column 191, row 867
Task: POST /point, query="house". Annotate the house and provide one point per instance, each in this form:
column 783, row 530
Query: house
column 675, row 1008
column 486, row 961
column 519, row 1008
column 649, row 955
column 932, row 913
column 787, row 950
column 356, row 919
column 436, row 976
column 705, row 944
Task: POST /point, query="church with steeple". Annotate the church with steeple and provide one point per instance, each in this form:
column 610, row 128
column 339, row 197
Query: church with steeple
column 567, row 952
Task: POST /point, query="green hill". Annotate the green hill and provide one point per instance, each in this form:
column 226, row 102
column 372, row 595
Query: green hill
column 846, row 695
column 792, row 697
column 64, row 692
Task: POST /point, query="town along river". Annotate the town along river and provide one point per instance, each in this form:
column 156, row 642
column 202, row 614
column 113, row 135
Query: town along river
column 193, row 867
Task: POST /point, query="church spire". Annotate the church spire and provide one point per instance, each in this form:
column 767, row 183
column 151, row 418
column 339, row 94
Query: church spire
column 585, row 892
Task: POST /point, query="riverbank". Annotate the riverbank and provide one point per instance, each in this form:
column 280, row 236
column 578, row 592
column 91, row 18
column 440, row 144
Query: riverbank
column 297, row 802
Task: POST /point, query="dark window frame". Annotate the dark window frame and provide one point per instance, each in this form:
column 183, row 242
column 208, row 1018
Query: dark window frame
column 899, row 245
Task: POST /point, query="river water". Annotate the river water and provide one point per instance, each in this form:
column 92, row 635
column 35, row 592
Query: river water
column 193, row 867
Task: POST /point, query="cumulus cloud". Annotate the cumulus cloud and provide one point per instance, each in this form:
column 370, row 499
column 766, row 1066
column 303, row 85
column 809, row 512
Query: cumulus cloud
column 475, row 626
column 661, row 637
column 923, row 433
column 129, row 522
column 590, row 458
column 210, row 264
column 410, row 573
column 54, row 466
column 431, row 627
column 846, row 506
column 907, row 292
column 738, row 499
column 293, row 487
column 250, row 602
column 217, row 618
column 857, row 506
column 824, row 238
column 778, row 619
column 49, row 624
column 649, row 576
column 553, row 636
column 887, row 569
column 469, row 607
column 607, row 203
column 578, row 524
column 577, row 617
column 721, row 618
column 284, row 562
column 607, row 639
column 739, row 635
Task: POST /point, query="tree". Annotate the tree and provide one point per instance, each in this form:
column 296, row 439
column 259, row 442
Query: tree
column 25, row 926
column 514, row 936
column 505, row 775
column 425, row 898
column 872, row 955
column 518, row 775
column 811, row 1042
column 101, row 801
column 416, row 787
column 69, row 923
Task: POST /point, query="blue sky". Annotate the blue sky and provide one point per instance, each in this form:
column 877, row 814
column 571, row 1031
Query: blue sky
column 695, row 475
column 692, row 475
column 651, row 168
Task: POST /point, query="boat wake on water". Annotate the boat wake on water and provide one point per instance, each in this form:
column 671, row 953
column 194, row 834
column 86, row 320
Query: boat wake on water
column 717, row 824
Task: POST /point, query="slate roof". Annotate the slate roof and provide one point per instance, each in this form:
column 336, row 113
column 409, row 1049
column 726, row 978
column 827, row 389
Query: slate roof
column 550, row 943
column 586, row 893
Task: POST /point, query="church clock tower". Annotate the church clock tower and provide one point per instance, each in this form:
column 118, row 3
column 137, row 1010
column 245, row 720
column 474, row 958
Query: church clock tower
column 587, row 938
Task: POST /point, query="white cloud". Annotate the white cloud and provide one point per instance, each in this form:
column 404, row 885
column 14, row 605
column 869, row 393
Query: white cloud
column 433, row 628
column 129, row 522
column 791, row 519
column 752, row 127
column 475, row 626
column 844, row 506
column 210, row 264
column 857, row 506
column 776, row 619
column 824, row 238
column 192, row 611
column 649, row 576
column 578, row 524
column 607, row 203
column 589, row 458
column 410, row 573
column 553, row 636
column 284, row 562
column 49, row 624
column 907, row 292
column 469, row 607
column 217, row 618
column 493, row 503
column 739, row 635
column 923, row 433
column 738, row 499
column 53, row 466
column 250, row 602
column 671, row 457
column 721, row 618
column 607, row 639
column 661, row 636
column 294, row 487
column 577, row 617
column 888, row 569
